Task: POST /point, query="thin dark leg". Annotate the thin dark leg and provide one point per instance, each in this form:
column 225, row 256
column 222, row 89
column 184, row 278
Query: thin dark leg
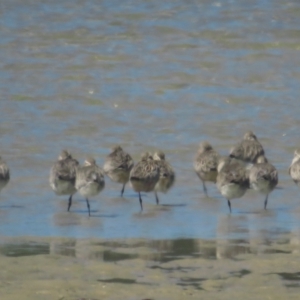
column 156, row 197
column 204, row 188
column 229, row 205
column 70, row 202
column 266, row 201
column 141, row 201
column 123, row 190
column 88, row 206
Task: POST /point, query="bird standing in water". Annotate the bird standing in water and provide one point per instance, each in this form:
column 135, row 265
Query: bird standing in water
column 63, row 175
column 144, row 175
column 166, row 174
column 4, row 174
column 206, row 164
column 118, row 165
column 248, row 150
column 232, row 179
column 263, row 177
column 294, row 169
column 89, row 180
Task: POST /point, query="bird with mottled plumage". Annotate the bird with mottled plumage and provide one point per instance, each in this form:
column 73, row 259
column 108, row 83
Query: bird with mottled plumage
column 263, row 177
column 232, row 179
column 206, row 164
column 144, row 175
column 63, row 175
column 4, row 174
column 294, row 169
column 249, row 149
column 118, row 165
column 166, row 174
column 89, row 180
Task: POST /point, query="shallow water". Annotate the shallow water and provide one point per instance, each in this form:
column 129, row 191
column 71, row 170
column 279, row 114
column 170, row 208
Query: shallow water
column 88, row 75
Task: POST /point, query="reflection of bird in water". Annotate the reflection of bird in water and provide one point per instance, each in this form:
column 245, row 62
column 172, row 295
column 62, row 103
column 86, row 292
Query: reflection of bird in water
column 166, row 174
column 263, row 177
column 4, row 174
column 295, row 231
column 79, row 248
column 262, row 230
column 85, row 249
column 62, row 246
column 206, row 163
column 118, row 165
column 232, row 236
column 89, row 180
column 294, row 169
column 144, row 175
column 63, row 175
column 232, row 179
column 248, row 150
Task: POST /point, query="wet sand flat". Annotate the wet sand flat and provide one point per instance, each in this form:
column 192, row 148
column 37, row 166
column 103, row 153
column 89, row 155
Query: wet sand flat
column 140, row 269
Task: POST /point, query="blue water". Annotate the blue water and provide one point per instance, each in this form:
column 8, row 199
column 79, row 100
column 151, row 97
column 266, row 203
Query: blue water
column 146, row 75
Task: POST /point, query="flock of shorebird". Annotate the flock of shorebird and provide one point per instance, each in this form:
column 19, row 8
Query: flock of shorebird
column 245, row 167
column 151, row 173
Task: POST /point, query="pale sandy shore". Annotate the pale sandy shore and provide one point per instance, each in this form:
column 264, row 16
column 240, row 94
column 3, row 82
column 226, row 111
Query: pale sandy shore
column 62, row 268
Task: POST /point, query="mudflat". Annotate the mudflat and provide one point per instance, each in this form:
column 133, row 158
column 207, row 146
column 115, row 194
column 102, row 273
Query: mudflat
column 137, row 269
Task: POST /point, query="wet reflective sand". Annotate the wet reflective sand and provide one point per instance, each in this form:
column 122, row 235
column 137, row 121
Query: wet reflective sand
column 66, row 268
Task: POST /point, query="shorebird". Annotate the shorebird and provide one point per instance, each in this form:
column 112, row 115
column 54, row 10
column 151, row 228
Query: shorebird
column 206, row 163
column 166, row 174
column 144, row 175
column 63, row 175
column 294, row 169
column 89, row 180
column 4, row 174
column 263, row 177
column 248, row 150
column 232, row 179
column 118, row 165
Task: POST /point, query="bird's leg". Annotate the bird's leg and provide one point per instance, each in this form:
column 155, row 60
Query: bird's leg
column 266, row 201
column 229, row 205
column 123, row 190
column 204, row 188
column 70, row 202
column 141, row 201
column 88, row 206
column 156, row 197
